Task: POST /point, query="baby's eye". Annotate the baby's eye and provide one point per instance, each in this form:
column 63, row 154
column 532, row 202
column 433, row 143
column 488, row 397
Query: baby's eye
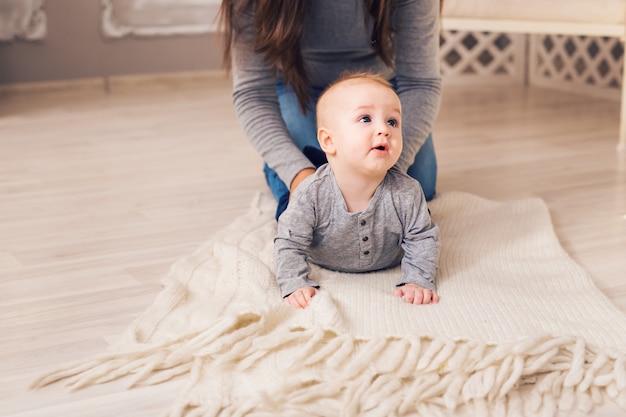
column 365, row 119
column 392, row 122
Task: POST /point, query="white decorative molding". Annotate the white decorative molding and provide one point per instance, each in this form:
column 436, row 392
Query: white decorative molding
column 22, row 19
column 482, row 56
column 158, row 17
column 583, row 64
column 587, row 64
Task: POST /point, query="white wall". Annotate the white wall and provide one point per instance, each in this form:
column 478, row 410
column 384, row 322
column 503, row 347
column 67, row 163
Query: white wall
column 75, row 47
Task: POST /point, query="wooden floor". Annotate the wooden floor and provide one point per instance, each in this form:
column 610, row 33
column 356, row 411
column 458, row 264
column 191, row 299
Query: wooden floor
column 100, row 193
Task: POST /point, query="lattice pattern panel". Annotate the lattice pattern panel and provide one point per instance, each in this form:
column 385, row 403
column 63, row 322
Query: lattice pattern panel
column 484, row 56
column 592, row 64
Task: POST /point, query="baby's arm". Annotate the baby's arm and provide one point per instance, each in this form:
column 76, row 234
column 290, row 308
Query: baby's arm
column 301, row 298
column 291, row 249
column 421, row 246
column 414, row 294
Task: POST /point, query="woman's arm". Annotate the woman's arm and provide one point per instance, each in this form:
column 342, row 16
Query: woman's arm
column 256, row 105
column 417, row 28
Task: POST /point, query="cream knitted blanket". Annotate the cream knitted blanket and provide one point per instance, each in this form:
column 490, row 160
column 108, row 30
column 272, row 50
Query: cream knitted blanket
column 515, row 313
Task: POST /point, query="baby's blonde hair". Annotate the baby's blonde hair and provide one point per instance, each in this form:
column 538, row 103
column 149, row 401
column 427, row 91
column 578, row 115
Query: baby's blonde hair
column 359, row 75
column 354, row 75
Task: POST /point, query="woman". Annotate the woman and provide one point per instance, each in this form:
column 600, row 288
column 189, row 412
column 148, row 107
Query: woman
column 283, row 53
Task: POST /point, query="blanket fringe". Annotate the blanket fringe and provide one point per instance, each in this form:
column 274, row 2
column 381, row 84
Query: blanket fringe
column 337, row 374
column 156, row 363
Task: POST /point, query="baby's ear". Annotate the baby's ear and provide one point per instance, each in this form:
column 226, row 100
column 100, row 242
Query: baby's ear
column 326, row 141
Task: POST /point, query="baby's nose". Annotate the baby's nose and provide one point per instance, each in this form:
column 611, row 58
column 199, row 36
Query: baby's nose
column 383, row 129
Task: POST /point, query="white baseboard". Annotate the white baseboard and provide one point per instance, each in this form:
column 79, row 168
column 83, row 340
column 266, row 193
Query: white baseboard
column 171, row 80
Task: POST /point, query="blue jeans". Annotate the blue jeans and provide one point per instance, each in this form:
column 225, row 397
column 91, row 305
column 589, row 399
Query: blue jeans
column 303, row 131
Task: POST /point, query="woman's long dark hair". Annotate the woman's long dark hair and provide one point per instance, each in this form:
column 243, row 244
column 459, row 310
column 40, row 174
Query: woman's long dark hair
column 278, row 27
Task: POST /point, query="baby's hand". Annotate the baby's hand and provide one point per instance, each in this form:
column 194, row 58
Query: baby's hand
column 414, row 294
column 301, row 298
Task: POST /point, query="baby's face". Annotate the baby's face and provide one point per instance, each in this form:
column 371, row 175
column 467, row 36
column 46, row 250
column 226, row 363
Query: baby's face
column 364, row 119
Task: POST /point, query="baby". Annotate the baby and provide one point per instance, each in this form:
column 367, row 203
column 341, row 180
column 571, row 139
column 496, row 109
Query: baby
column 358, row 213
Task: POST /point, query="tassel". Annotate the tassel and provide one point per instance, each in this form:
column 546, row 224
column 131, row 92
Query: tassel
column 345, row 350
column 514, row 376
column 364, row 358
column 619, row 369
column 411, row 358
column 577, row 370
column 433, row 349
column 327, row 349
column 394, row 356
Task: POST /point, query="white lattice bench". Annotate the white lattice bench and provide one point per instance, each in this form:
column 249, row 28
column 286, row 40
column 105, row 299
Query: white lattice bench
column 565, row 17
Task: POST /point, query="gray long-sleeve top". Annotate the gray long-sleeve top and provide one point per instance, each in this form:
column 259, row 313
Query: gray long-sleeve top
column 395, row 229
column 335, row 39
